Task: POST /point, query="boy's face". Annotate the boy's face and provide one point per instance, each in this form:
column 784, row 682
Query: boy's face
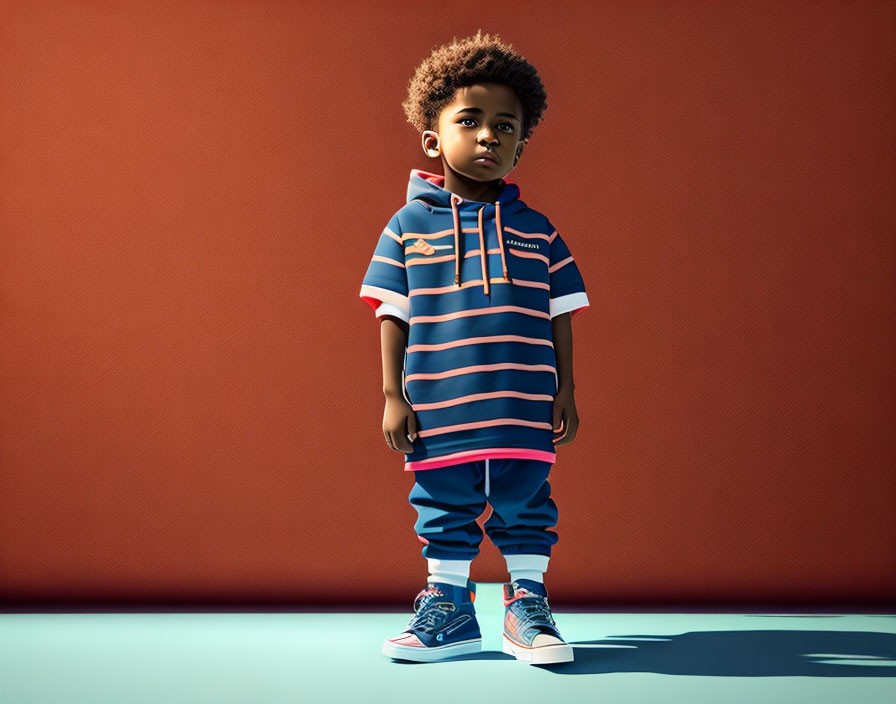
column 485, row 117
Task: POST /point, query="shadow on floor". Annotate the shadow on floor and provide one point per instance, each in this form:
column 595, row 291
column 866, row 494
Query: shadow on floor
column 728, row 654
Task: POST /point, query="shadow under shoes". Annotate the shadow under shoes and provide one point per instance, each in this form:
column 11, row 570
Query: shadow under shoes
column 444, row 625
column 530, row 633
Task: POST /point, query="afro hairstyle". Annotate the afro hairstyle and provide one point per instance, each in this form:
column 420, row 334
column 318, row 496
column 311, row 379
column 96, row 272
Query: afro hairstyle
column 477, row 59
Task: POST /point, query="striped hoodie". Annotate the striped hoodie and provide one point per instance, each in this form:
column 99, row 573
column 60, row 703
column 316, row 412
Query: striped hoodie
column 478, row 284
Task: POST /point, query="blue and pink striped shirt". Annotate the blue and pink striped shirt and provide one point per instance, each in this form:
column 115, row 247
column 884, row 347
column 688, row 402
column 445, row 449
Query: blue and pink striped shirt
column 478, row 284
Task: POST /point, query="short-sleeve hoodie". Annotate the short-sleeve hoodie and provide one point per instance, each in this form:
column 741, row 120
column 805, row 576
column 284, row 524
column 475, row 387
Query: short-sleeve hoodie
column 478, row 284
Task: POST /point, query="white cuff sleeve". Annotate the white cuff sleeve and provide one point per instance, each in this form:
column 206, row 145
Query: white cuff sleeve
column 389, row 309
column 571, row 302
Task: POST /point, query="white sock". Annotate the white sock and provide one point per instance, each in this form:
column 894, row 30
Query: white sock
column 527, row 567
column 450, row 571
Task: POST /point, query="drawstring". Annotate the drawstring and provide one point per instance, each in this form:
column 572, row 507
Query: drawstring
column 483, row 254
column 456, row 242
column 501, row 240
column 482, row 250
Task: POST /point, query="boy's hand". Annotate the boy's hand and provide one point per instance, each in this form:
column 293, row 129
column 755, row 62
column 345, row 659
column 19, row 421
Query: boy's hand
column 399, row 421
column 566, row 418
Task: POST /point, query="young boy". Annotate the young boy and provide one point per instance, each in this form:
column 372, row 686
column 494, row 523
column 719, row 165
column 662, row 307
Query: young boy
column 475, row 291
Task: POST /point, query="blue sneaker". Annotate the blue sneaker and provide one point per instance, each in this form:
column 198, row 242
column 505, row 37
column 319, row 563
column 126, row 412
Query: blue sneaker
column 530, row 633
column 444, row 625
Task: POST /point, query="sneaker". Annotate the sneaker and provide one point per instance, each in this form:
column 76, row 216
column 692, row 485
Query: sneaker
column 530, row 633
column 444, row 625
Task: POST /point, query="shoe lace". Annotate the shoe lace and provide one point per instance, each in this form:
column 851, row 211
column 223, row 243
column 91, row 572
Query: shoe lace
column 536, row 608
column 431, row 616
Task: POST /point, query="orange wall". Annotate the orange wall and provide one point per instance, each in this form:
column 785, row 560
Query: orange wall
column 191, row 408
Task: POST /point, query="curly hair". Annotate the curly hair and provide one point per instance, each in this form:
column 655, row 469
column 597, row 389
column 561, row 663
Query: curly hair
column 477, row 59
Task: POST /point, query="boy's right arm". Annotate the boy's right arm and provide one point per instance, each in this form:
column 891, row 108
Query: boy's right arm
column 394, row 341
column 385, row 289
column 398, row 418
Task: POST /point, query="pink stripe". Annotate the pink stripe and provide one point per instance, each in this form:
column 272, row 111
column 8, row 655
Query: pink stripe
column 440, row 233
column 479, row 311
column 533, row 284
column 483, row 424
column 527, row 254
column 480, row 397
column 474, row 252
column 387, row 231
column 477, row 283
column 530, row 235
column 553, row 235
column 472, row 369
column 478, row 340
column 428, row 235
column 386, row 260
column 559, row 264
column 476, row 455
column 427, row 259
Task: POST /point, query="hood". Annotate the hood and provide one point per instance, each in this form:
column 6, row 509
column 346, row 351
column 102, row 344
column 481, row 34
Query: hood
column 428, row 188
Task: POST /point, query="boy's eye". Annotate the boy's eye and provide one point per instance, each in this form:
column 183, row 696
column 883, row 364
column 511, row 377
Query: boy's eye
column 502, row 123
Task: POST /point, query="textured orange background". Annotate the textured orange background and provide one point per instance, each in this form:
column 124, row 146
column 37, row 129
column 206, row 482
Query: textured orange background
column 190, row 386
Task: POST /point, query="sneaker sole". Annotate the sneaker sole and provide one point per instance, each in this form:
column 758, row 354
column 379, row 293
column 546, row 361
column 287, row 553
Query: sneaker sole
column 432, row 654
column 542, row 655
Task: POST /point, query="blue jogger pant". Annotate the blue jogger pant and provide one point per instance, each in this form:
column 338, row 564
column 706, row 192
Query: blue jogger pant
column 449, row 499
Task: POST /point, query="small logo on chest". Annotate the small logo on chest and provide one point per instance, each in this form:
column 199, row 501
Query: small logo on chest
column 421, row 246
column 517, row 243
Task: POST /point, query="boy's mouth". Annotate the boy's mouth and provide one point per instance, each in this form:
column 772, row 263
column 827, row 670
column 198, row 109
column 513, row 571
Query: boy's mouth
column 485, row 159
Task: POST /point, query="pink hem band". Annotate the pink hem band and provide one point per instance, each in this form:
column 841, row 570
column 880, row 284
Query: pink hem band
column 476, row 455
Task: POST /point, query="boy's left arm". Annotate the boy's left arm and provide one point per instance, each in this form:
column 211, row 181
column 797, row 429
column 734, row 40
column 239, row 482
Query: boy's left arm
column 566, row 419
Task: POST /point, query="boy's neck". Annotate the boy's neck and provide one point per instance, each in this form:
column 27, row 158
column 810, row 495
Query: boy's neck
column 470, row 189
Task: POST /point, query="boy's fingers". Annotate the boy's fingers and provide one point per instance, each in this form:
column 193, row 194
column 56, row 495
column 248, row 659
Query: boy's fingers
column 407, row 445
column 564, row 428
column 396, row 442
column 399, row 440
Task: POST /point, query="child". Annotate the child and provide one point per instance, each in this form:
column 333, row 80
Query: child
column 475, row 291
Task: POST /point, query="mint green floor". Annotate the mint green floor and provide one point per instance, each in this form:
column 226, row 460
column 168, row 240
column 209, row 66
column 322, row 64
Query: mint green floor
column 267, row 658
